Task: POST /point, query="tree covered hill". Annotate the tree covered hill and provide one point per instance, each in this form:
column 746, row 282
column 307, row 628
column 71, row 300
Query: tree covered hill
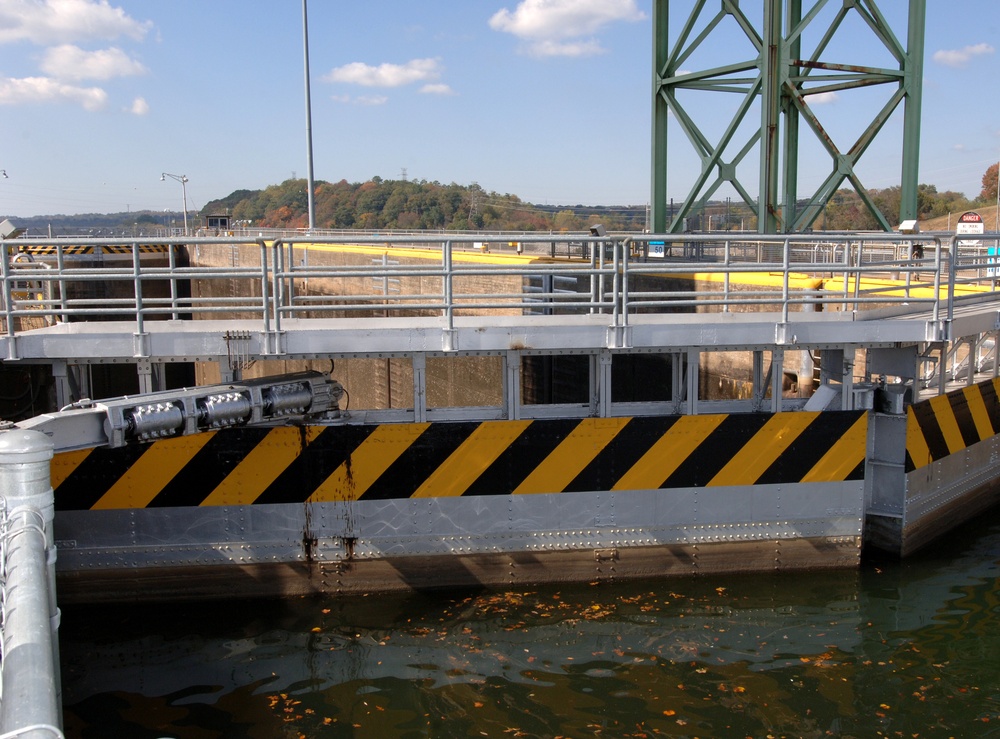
column 418, row 204
column 412, row 205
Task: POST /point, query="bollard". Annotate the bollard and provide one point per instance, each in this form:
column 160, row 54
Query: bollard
column 30, row 702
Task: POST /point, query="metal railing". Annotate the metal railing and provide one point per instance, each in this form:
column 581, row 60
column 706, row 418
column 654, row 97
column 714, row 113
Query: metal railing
column 621, row 276
column 30, row 693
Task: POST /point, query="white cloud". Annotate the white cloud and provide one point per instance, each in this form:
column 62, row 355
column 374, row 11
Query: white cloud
column 822, row 98
column 960, row 57
column 549, row 25
column 70, row 62
column 45, row 89
column 58, row 21
column 387, row 75
column 139, row 107
column 549, row 47
column 437, row 88
column 360, row 100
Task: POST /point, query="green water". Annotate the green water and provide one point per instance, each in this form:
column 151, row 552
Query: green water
column 897, row 649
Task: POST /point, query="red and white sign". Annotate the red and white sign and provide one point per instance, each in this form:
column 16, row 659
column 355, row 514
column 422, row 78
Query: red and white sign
column 969, row 223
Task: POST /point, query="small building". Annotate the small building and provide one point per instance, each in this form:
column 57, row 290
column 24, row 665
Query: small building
column 218, row 222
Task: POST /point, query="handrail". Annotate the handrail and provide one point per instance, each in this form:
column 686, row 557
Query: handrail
column 853, row 271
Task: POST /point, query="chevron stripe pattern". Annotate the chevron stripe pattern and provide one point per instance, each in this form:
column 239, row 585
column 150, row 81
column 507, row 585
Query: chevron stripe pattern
column 252, row 466
column 105, row 248
column 949, row 423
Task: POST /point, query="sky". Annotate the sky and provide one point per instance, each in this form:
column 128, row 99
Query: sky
column 548, row 100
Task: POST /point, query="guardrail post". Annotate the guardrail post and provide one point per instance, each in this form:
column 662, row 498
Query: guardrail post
column 31, row 700
column 6, row 298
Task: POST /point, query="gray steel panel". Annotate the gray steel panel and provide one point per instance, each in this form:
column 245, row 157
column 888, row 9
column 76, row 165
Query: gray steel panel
column 163, row 537
column 348, row 336
column 950, row 479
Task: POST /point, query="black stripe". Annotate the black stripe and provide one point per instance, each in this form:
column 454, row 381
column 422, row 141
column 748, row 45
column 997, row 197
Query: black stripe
column 809, row 448
column 428, row 452
column 909, row 466
column 95, row 476
column 314, row 463
column 989, row 392
column 963, row 416
column 928, row 423
column 521, row 458
column 621, row 453
column 717, row 450
column 209, row 467
column 858, row 473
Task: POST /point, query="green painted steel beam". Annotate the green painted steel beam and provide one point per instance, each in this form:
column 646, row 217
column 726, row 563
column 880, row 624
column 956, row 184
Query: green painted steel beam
column 777, row 77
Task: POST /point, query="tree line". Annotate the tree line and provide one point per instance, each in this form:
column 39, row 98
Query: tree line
column 380, row 204
column 412, row 205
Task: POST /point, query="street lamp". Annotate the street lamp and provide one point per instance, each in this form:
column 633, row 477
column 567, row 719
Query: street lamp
column 183, row 180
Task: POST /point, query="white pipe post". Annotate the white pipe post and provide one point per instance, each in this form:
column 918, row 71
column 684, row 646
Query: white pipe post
column 31, row 699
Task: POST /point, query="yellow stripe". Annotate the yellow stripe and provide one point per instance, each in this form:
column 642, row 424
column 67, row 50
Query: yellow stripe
column 149, row 474
column 454, row 476
column 760, row 452
column 261, row 466
column 63, row 465
column 947, row 423
column 367, row 463
column 916, row 444
column 574, row 453
column 845, row 454
column 974, row 397
column 669, row 451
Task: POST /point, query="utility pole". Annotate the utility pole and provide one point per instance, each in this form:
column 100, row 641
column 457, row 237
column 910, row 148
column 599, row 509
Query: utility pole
column 309, row 139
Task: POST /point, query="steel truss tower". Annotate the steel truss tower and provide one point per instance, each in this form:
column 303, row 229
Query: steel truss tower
column 777, row 80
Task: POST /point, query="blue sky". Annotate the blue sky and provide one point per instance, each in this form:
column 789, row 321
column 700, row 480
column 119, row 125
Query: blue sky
column 545, row 99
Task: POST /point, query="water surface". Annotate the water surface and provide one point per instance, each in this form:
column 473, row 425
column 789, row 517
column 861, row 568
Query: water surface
column 896, row 649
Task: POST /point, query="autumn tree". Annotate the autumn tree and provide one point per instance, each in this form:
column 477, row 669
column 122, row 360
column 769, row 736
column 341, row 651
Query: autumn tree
column 989, row 191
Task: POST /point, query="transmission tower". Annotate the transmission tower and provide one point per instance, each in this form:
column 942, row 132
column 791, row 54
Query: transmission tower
column 780, row 81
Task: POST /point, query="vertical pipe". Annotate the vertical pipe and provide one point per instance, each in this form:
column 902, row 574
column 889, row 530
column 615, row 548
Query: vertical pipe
column 309, row 140
column 278, row 280
column 725, row 277
column 31, row 693
column 8, row 307
column 449, row 309
column 60, row 266
column 137, row 281
column 264, row 295
column 172, row 260
column 785, row 265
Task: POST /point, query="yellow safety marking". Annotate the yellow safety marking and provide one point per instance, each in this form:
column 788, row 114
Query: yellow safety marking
column 65, row 464
column 574, row 453
column 760, row 452
column 845, row 454
column 261, row 466
column 941, row 406
column 663, row 458
column 454, row 476
column 367, row 463
column 149, row 474
column 916, row 444
column 458, row 255
column 981, row 417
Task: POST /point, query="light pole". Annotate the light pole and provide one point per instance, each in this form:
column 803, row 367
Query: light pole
column 183, row 180
column 997, row 227
column 309, row 142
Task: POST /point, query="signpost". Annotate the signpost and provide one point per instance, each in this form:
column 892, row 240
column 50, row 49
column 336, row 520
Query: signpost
column 971, row 223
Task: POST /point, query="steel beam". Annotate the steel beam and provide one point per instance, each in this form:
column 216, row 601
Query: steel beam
column 779, row 75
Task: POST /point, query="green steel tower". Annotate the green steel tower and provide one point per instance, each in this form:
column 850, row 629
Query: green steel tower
column 787, row 66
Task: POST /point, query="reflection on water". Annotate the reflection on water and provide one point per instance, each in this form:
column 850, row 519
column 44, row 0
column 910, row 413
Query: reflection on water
column 897, row 649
